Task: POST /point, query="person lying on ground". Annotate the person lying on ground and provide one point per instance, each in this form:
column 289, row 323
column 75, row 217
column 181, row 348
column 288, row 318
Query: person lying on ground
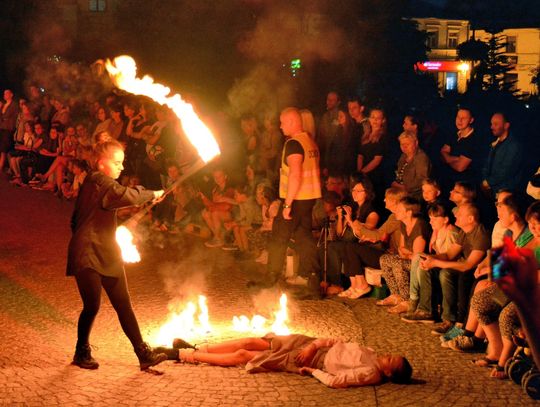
column 335, row 363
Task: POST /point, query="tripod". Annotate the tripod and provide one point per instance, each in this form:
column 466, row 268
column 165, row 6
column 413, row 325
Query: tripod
column 323, row 241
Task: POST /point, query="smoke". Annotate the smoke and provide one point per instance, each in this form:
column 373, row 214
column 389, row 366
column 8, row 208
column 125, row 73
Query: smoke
column 285, row 31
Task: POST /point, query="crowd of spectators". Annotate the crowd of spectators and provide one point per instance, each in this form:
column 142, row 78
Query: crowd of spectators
column 425, row 224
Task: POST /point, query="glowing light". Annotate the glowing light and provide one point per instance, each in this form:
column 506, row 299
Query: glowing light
column 123, row 72
column 279, row 327
column 124, row 238
column 464, row 67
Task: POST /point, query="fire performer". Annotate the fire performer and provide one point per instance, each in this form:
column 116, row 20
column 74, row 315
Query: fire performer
column 335, row 363
column 299, row 187
column 94, row 257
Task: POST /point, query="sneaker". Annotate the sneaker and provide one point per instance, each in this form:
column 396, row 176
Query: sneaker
column 462, row 343
column 297, row 280
column 442, row 328
column 83, row 357
column 229, row 247
column 214, row 243
column 452, row 333
column 418, row 316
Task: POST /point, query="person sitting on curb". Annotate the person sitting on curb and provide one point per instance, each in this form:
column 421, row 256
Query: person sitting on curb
column 335, row 363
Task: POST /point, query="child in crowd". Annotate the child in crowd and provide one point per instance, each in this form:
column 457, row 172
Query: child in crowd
column 258, row 238
column 70, row 190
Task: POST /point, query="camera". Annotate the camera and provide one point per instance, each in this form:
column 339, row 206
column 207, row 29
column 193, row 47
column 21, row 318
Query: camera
column 498, row 268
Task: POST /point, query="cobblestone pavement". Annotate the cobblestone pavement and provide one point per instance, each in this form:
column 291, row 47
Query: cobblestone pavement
column 39, row 308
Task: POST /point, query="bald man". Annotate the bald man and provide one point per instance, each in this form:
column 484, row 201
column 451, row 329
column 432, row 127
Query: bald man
column 299, row 187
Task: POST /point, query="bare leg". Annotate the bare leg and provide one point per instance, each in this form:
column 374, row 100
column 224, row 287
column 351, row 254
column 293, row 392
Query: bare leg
column 361, row 282
column 495, row 341
column 507, row 351
column 207, row 216
column 240, row 357
column 257, row 344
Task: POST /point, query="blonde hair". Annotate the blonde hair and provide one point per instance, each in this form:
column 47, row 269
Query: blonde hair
column 308, row 122
column 409, row 135
column 105, row 150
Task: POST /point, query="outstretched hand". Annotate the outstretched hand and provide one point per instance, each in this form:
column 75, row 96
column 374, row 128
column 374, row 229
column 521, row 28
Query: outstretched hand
column 306, row 371
column 305, row 355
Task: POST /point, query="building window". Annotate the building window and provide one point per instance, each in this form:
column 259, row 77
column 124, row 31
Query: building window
column 433, row 39
column 97, row 5
column 511, row 44
column 453, row 39
column 512, row 60
column 451, row 81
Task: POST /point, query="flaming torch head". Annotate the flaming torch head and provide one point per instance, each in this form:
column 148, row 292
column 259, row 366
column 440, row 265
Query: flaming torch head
column 124, row 238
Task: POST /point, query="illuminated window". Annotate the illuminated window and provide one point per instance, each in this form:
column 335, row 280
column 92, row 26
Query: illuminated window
column 451, row 81
column 511, row 80
column 510, row 44
column 453, row 39
column 97, row 5
column 512, row 61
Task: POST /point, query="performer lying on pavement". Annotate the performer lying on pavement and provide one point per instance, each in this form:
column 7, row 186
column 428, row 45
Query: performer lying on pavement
column 335, row 363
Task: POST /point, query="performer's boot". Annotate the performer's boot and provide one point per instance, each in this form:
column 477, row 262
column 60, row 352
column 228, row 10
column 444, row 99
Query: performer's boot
column 179, row 343
column 172, row 353
column 83, row 357
column 148, row 357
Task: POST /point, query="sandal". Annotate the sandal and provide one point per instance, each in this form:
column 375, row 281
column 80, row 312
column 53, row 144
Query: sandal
column 359, row 292
column 391, row 300
column 485, row 362
column 346, row 293
column 400, row 308
column 498, row 373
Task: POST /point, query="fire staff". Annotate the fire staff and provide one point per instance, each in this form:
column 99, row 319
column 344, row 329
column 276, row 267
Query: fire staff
column 94, row 258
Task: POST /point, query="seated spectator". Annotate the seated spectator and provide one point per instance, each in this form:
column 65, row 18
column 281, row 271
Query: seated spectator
column 244, row 213
column 462, row 193
column 258, row 238
column 70, row 189
column 22, row 149
column 385, row 239
column 61, row 114
column 520, row 283
column 350, row 218
column 46, row 153
column 492, row 308
column 413, row 166
column 396, row 267
column 457, row 267
column 54, row 177
column 325, row 214
column 217, row 211
column 443, row 240
column 431, row 194
column 334, row 363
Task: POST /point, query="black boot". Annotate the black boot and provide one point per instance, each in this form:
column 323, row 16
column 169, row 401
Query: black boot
column 147, row 357
column 172, row 353
column 181, row 344
column 83, row 357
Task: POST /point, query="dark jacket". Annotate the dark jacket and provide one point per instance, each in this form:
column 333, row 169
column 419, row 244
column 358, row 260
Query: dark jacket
column 504, row 165
column 93, row 244
column 8, row 119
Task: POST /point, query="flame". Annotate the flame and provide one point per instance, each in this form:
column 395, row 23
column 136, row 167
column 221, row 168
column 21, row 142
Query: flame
column 187, row 325
column 123, row 72
column 279, row 327
column 124, row 238
column 183, row 324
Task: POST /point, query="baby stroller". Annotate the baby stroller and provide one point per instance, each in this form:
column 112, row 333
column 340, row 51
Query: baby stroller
column 522, row 370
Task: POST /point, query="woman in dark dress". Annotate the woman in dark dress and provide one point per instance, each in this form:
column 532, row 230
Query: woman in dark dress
column 94, row 258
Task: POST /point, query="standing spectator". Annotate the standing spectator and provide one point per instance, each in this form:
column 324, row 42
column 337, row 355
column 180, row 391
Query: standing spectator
column 8, row 120
column 361, row 121
column 463, row 155
column 250, row 135
column 299, row 187
column 61, row 115
column 328, row 126
column 504, row 165
column 372, row 150
column 308, row 122
column 340, row 154
column 270, row 147
column 413, row 167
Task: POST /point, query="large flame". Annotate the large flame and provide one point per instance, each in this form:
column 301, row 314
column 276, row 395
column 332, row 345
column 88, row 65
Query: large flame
column 123, row 72
column 124, row 238
column 183, row 322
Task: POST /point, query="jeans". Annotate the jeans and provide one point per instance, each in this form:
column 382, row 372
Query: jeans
column 456, row 291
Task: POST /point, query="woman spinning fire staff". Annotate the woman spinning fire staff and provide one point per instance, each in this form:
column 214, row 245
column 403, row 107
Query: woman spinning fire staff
column 94, row 258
